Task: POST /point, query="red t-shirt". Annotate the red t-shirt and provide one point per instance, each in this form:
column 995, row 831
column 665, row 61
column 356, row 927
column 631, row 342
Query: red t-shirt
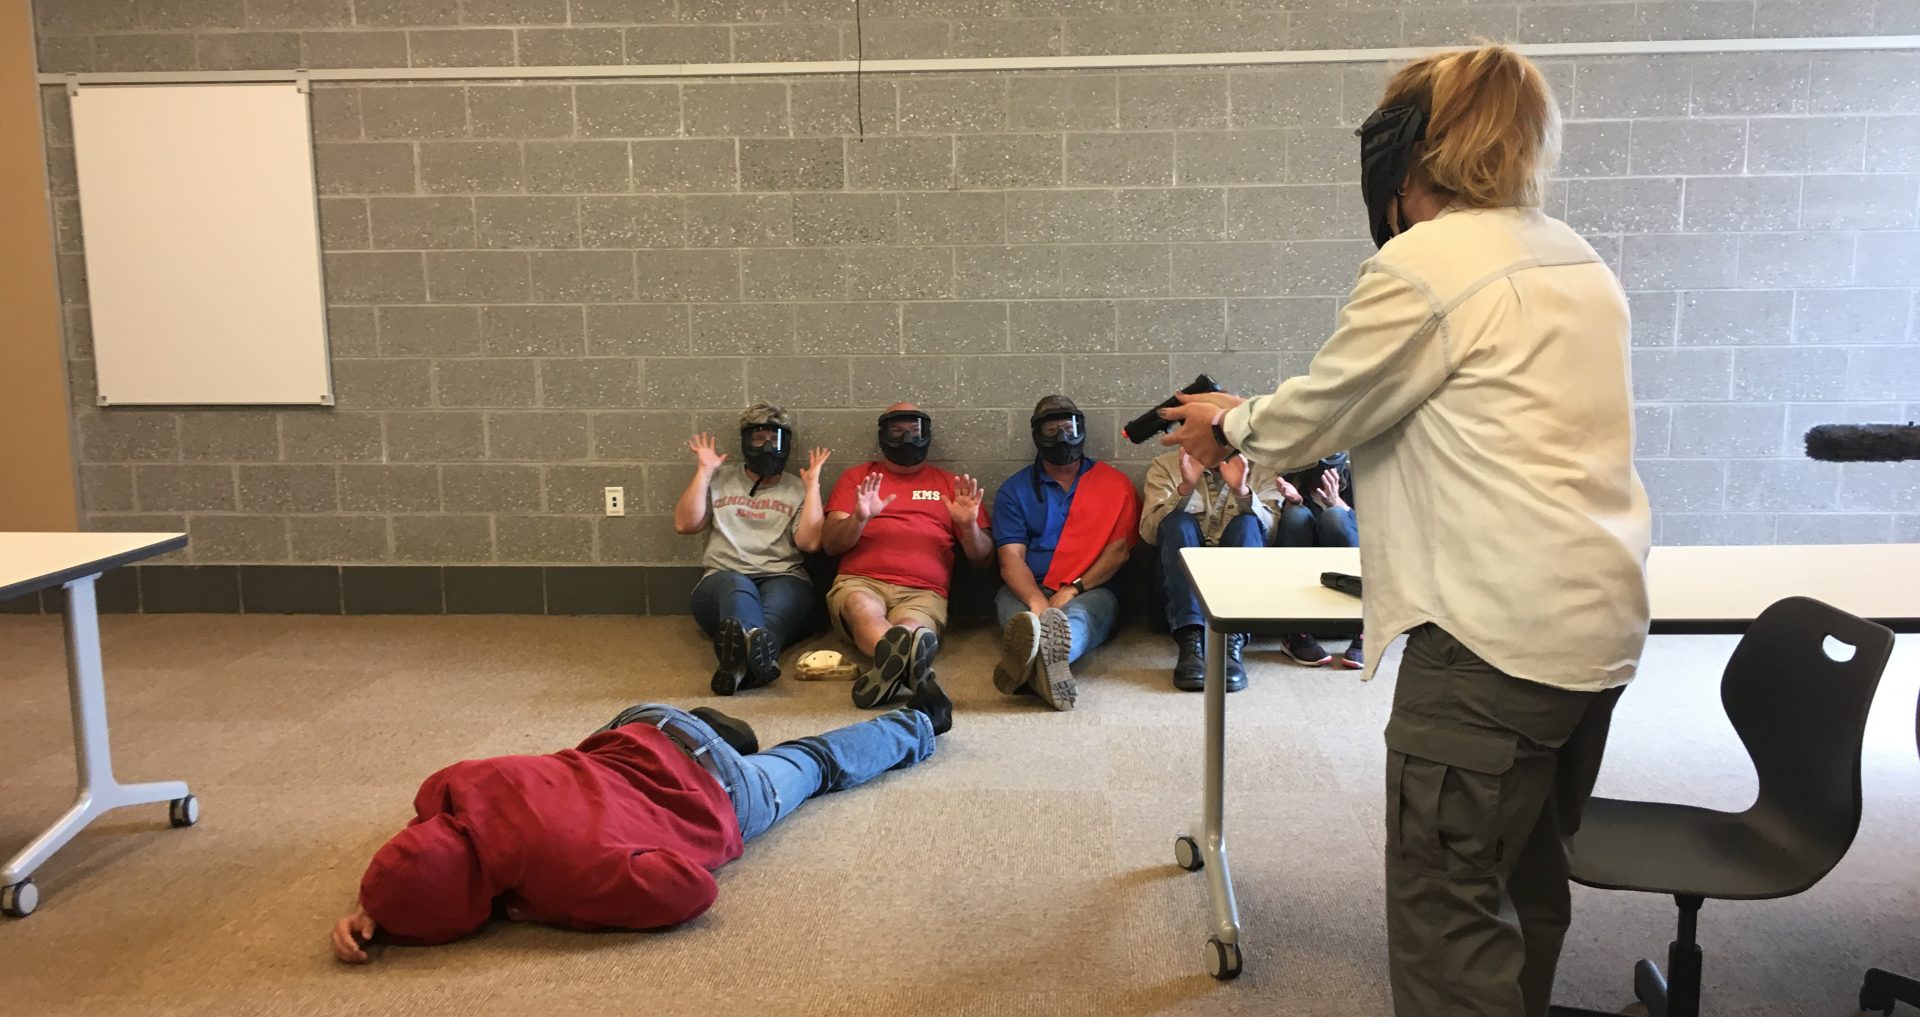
column 910, row 543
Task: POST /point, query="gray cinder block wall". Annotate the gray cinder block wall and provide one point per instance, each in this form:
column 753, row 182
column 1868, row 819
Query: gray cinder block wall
column 540, row 289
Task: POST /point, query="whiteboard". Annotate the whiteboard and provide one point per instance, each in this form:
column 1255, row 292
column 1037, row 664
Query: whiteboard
column 202, row 237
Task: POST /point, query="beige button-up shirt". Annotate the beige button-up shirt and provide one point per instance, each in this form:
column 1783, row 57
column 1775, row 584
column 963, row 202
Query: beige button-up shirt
column 1479, row 374
column 1210, row 501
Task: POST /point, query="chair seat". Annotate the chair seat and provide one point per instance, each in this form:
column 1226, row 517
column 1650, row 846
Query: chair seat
column 1655, row 847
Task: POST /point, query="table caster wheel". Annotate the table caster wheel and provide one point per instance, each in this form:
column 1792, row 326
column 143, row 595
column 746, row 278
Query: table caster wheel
column 1186, row 854
column 19, row 900
column 184, row 811
column 1224, row 959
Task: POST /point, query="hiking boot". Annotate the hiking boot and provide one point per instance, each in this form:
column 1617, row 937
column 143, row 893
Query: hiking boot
column 1019, row 651
column 1053, row 679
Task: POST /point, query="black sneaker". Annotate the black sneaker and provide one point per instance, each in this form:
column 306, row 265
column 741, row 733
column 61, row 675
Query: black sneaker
column 1236, row 668
column 930, row 699
column 730, row 653
column 763, row 659
column 1355, row 656
column 892, row 668
column 1304, row 649
column 732, row 730
column 1190, row 671
column 926, row 646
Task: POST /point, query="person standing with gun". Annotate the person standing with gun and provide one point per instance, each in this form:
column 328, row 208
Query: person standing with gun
column 1479, row 374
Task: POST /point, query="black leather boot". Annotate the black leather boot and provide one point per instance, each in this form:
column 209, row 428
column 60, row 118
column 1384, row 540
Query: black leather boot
column 1236, row 669
column 1190, row 673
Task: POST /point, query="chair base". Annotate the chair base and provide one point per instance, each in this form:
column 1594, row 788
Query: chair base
column 1673, row 994
column 1882, row 989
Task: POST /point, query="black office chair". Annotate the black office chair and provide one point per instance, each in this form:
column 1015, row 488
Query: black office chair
column 1801, row 715
column 1882, row 989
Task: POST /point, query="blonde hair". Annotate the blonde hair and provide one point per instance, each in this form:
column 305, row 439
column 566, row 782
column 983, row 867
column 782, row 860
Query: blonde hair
column 1493, row 127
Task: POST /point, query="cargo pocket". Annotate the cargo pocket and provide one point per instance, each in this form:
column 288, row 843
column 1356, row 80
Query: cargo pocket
column 1444, row 789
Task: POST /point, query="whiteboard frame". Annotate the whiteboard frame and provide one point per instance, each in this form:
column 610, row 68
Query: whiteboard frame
column 306, row 379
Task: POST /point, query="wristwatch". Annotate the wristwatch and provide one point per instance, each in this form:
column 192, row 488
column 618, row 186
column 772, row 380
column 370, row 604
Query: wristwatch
column 1078, row 585
column 1220, row 433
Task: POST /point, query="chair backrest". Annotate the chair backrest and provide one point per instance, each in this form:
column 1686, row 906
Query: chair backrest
column 1803, row 716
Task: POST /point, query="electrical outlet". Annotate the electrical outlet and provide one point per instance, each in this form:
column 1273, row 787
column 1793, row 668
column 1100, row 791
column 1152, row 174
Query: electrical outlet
column 616, row 501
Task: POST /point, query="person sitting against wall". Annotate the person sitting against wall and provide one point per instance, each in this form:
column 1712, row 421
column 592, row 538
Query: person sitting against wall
column 1063, row 527
column 1190, row 505
column 894, row 523
column 756, row 596
column 623, row 832
column 1316, row 511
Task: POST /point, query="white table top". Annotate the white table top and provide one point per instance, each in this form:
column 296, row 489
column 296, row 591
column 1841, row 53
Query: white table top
column 1251, row 589
column 32, row 561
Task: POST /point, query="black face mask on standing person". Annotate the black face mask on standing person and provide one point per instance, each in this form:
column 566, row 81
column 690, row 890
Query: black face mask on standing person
column 1060, row 436
column 764, row 448
column 1387, row 141
column 905, row 436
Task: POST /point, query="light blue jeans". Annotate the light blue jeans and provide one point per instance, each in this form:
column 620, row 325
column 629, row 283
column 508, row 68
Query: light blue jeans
column 767, row 786
column 1090, row 617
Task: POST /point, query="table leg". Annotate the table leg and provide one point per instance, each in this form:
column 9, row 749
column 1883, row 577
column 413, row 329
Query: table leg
column 1223, row 949
column 99, row 791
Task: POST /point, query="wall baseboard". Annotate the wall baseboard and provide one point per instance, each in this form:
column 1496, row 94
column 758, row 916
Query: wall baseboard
column 383, row 589
column 458, row 589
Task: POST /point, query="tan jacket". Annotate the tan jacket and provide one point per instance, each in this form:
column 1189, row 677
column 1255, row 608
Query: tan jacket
column 1211, row 502
column 1480, row 376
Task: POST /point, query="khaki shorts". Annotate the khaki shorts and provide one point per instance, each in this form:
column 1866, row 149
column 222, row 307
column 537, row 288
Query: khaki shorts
column 924, row 606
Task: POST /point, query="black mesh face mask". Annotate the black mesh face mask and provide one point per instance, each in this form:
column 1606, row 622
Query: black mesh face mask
column 905, row 436
column 1061, row 436
column 1387, row 140
column 764, row 448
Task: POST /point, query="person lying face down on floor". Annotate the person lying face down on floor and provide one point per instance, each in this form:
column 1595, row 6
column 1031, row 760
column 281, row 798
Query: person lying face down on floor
column 622, row 832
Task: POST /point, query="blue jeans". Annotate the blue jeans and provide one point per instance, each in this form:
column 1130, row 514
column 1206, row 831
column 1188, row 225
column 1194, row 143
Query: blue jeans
column 767, row 786
column 779, row 604
column 1090, row 617
column 1182, row 529
column 1304, row 526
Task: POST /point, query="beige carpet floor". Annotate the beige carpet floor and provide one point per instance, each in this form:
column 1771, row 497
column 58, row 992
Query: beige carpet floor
column 1025, row 869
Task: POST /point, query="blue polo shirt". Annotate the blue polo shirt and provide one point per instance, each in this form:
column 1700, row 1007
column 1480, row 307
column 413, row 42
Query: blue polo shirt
column 1031, row 509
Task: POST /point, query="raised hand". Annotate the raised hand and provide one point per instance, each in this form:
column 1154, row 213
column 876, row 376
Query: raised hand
column 1190, row 471
column 1328, row 493
column 1234, row 472
column 867, row 501
column 963, row 506
column 816, row 458
column 703, row 450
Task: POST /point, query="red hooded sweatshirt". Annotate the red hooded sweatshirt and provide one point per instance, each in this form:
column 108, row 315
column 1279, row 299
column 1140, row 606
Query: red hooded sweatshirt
column 622, row 832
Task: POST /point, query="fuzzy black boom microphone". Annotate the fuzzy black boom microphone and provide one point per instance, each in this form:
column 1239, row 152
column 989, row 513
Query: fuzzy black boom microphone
column 1864, row 443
